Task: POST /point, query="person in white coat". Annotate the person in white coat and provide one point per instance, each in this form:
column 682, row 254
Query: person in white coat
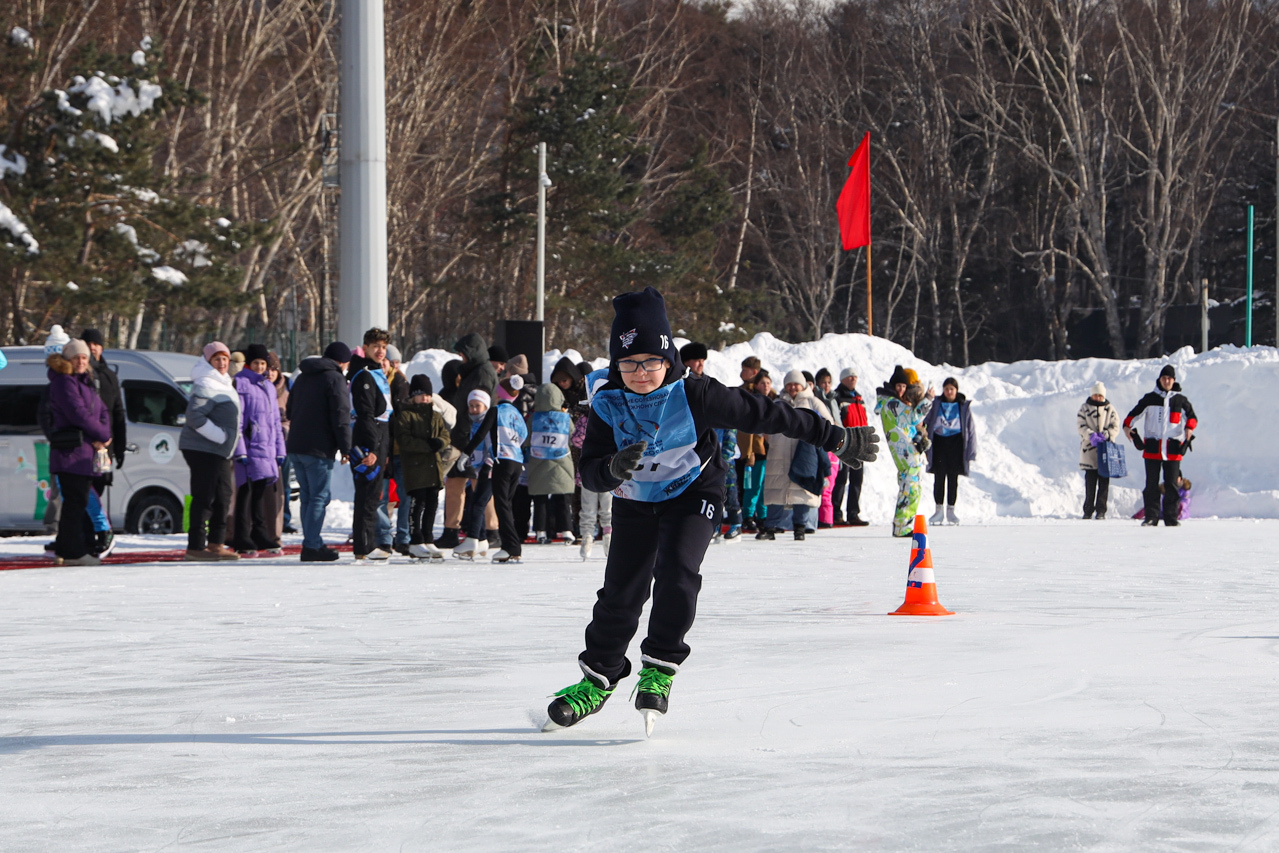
column 781, row 490
column 1097, row 422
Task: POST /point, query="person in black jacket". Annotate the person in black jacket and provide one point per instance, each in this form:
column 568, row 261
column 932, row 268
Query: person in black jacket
column 651, row 441
column 319, row 414
column 371, row 408
column 108, row 387
column 475, row 372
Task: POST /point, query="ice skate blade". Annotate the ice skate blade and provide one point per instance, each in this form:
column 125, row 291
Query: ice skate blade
column 551, row 726
column 650, row 717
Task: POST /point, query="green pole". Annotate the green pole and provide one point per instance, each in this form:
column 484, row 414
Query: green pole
column 1247, row 334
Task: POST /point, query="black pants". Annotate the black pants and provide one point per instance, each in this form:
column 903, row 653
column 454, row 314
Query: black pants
column 850, row 479
column 422, row 515
column 255, row 516
column 1153, row 493
column 552, row 513
column 1096, row 493
column 74, row 527
column 522, row 508
column 368, row 496
column 658, row 546
column 948, row 464
column 942, row 482
column 212, row 483
column 506, row 478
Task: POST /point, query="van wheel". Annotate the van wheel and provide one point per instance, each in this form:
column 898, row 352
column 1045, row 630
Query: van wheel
column 154, row 513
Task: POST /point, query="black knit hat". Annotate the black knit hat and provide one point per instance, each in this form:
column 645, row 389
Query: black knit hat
column 93, row 336
column 420, row 384
column 692, row 350
column 899, row 376
column 640, row 325
column 253, row 352
column 809, row 378
column 338, row 351
column 1168, row 371
column 497, row 352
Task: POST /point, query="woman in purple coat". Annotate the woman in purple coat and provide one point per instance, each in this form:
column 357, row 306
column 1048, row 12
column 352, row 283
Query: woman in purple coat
column 264, row 452
column 75, row 406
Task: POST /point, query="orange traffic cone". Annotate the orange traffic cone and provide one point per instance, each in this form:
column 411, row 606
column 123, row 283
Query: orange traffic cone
column 921, row 586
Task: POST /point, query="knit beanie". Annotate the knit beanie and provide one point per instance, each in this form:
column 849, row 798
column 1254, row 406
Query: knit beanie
column 847, row 372
column 481, row 395
column 640, row 325
column 808, row 377
column 392, row 354
column 256, row 352
column 56, row 340
column 912, row 378
column 899, row 376
column 273, row 362
column 497, row 352
column 73, row 348
column 692, row 350
column 517, row 365
column 1099, row 389
column 421, row 384
column 212, row 349
column 1168, row 371
column 794, row 375
column 93, row 336
column 338, row 351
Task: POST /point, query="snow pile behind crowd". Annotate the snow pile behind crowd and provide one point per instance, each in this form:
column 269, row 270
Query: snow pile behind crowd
column 1028, row 450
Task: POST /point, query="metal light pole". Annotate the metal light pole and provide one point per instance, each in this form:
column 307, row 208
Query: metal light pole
column 1247, row 333
column 543, row 181
column 362, row 287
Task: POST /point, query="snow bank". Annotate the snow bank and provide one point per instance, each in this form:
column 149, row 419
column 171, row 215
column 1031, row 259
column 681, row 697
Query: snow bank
column 1028, row 451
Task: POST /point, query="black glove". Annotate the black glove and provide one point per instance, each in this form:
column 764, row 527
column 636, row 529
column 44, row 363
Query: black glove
column 922, row 443
column 860, row 444
column 435, row 444
column 627, row 460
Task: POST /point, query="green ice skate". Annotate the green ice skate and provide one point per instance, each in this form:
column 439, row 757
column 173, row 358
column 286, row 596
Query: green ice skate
column 652, row 694
column 575, row 703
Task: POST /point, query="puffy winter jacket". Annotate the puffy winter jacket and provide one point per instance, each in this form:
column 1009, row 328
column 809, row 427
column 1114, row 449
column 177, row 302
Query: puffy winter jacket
column 263, row 434
column 319, row 410
column 852, row 408
column 1095, row 417
column 901, row 422
column 73, row 403
column 1164, row 418
column 371, row 406
column 550, row 466
column 421, row 433
column 780, row 488
column 213, row 414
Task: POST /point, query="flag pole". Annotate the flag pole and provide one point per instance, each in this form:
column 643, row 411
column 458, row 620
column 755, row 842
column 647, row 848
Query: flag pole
column 870, row 307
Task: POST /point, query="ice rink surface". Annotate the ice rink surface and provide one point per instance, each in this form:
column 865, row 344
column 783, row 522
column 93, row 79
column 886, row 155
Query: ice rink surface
column 1103, row 687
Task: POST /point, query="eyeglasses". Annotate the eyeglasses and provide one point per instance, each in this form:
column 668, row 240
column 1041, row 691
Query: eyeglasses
column 648, row 365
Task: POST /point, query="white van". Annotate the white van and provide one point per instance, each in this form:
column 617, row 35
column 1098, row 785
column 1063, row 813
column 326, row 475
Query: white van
column 150, row 491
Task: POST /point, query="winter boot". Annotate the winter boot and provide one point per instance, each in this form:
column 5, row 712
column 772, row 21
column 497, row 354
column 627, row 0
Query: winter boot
column 652, row 694
column 403, row 550
column 799, row 535
column 448, row 539
column 939, row 516
column 425, row 551
column 951, row 518
column 104, row 543
column 577, row 702
column 318, row 555
column 588, row 544
column 1101, row 516
column 748, row 526
column 471, row 548
column 86, row 560
column 1150, row 522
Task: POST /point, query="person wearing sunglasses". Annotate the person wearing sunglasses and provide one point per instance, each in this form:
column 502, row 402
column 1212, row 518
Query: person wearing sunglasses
column 651, row 441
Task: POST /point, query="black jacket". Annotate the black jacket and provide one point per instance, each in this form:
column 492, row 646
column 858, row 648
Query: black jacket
column 108, row 385
column 713, row 407
column 319, row 410
column 477, row 372
column 368, row 403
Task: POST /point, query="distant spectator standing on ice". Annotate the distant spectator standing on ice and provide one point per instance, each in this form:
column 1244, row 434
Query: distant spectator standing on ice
column 1164, row 423
column 852, row 413
column 319, row 413
column 209, row 438
column 949, row 426
column 902, row 404
column 1097, row 422
column 797, row 470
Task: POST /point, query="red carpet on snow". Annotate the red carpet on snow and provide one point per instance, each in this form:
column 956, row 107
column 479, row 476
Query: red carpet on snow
column 176, row 555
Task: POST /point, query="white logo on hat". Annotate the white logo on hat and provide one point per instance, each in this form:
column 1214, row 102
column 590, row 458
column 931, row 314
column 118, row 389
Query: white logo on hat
column 628, row 338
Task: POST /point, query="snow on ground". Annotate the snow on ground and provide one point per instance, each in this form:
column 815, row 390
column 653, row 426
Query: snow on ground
column 1102, row 687
column 1028, row 458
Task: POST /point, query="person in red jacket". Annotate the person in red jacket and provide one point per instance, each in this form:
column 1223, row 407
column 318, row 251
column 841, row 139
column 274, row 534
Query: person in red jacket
column 1166, row 427
column 852, row 413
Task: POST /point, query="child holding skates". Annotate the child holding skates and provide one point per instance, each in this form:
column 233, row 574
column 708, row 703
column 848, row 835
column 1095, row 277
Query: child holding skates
column 651, row 441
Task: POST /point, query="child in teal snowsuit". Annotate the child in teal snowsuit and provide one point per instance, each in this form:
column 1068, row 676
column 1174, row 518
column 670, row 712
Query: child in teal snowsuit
column 906, row 440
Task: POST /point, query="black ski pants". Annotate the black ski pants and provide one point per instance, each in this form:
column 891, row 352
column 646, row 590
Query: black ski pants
column 74, row 527
column 368, row 495
column 849, row 479
column 422, row 508
column 255, row 517
column 1096, row 493
column 1154, row 493
column 506, row 477
column 657, row 547
column 212, row 484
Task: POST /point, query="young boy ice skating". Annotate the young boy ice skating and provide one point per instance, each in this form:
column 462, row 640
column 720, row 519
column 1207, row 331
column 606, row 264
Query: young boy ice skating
column 651, row 441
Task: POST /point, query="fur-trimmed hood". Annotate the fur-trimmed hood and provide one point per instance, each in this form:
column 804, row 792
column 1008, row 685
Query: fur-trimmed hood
column 58, row 364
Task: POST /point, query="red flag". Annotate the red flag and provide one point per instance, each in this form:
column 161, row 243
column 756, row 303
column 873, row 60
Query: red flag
column 853, row 206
